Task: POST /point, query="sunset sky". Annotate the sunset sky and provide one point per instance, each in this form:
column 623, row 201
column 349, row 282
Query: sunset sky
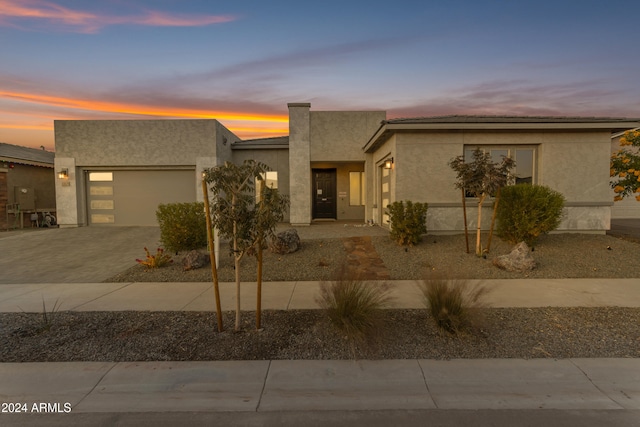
column 241, row 61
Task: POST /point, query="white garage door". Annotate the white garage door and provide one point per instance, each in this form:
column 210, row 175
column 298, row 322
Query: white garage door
column 132, row 197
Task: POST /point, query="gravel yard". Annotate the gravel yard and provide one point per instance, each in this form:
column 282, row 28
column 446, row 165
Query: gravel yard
column 558, row 256
column 306, row 334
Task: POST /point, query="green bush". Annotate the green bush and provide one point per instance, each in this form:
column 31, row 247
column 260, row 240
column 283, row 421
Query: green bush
column 408, row 222
column 354, row 306
column 526, row 211
column 182, row 226
column 454, row 304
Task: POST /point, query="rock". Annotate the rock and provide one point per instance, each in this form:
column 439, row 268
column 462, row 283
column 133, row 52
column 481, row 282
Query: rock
column 286, row 242
column 520, row 259
column 194, row 260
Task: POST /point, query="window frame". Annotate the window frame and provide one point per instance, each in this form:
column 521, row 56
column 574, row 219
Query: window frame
column 511, row 152
column 361, row 192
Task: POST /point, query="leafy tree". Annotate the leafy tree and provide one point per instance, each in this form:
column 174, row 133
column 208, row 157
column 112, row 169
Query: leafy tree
column 237, row 215
column 625, row 167
column 481, row 178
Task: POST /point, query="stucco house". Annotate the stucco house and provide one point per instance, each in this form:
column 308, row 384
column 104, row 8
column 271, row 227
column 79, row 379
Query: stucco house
column 27, row 185
column 334, row 165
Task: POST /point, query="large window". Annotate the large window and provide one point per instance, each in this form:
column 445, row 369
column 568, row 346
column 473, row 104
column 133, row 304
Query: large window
column 356, row 188
column 524, row 156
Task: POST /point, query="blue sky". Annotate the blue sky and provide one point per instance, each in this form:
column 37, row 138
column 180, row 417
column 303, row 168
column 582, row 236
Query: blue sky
column 242, row 61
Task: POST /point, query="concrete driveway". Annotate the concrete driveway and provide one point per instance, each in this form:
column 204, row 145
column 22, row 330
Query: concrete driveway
column 72, row 255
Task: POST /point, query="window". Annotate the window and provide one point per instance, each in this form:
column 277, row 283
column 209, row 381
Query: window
column 100, row 176
column 270, row 179
column 356, row 188
column 524, row 156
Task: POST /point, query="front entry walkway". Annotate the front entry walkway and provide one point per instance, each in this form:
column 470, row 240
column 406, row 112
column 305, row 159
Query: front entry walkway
column 363, row 260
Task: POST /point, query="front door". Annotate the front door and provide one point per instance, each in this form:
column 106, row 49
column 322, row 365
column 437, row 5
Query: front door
column 324, row 193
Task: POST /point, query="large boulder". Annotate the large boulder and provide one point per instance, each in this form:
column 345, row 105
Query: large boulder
column 285, row 242
column 194, row 259
column 520, row 259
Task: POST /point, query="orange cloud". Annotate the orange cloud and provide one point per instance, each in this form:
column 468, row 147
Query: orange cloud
column 245, row 125
column 144, row 110
column 27, row 126
column 87, row 22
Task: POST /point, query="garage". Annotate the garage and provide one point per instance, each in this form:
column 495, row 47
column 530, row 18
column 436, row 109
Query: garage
column 131, row 197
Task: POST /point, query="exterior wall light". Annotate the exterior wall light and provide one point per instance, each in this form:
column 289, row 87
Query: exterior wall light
column 63, row 174
column 388, row 163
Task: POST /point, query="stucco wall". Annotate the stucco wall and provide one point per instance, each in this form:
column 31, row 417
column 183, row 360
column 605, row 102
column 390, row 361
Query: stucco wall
column 135, row 142
column 340, row 135
column 573, row 163
column 299, row 160
column 4, row 198
column 577, row 165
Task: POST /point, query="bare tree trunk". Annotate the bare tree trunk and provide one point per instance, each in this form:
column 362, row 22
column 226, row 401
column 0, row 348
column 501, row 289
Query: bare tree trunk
column 237, row 267
column 212, row 256
column 464, row 213
column 259, row 287
column 236, row 258
column 478, row 240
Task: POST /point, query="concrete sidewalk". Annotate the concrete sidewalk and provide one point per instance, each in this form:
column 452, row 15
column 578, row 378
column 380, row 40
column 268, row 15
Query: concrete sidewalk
column 199, row 296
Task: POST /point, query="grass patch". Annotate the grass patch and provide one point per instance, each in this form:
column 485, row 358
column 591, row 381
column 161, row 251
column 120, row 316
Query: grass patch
column 454, row 303
column 354, row 306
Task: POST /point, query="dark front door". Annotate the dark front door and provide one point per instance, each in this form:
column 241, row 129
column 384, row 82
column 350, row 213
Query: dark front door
column 324, row 193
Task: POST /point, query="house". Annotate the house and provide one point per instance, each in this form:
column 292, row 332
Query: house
column 334, row 165
column 27, row 185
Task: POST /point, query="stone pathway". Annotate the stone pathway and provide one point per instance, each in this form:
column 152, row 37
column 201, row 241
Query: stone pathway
column 363, row 259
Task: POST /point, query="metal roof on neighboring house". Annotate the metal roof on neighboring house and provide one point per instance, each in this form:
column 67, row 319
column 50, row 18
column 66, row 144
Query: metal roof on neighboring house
column 25, row 155
column 262, row 143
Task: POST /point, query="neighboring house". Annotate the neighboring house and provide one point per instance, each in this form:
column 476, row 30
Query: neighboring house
column 27, row 185
column 628, row 207
column 334, row 165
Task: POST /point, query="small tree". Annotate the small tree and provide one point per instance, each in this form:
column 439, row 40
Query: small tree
column 625, row 167
column 481, row 178
column 238, row 217
column 232, row 209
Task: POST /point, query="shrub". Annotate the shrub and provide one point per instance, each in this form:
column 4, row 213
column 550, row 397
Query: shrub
column 526, row 211
column 160, row 259
column 408, row 222
column 182, row 226
column 453, row 303
column 354, row 306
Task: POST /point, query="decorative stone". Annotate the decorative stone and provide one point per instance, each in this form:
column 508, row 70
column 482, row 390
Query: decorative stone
column 286, row 242
column 520, row 259
column 194, row 260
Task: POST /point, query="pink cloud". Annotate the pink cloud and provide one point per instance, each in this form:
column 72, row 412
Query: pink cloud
column 13, row 12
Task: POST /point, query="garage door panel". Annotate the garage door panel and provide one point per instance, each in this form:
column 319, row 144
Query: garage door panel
column 132, row 197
